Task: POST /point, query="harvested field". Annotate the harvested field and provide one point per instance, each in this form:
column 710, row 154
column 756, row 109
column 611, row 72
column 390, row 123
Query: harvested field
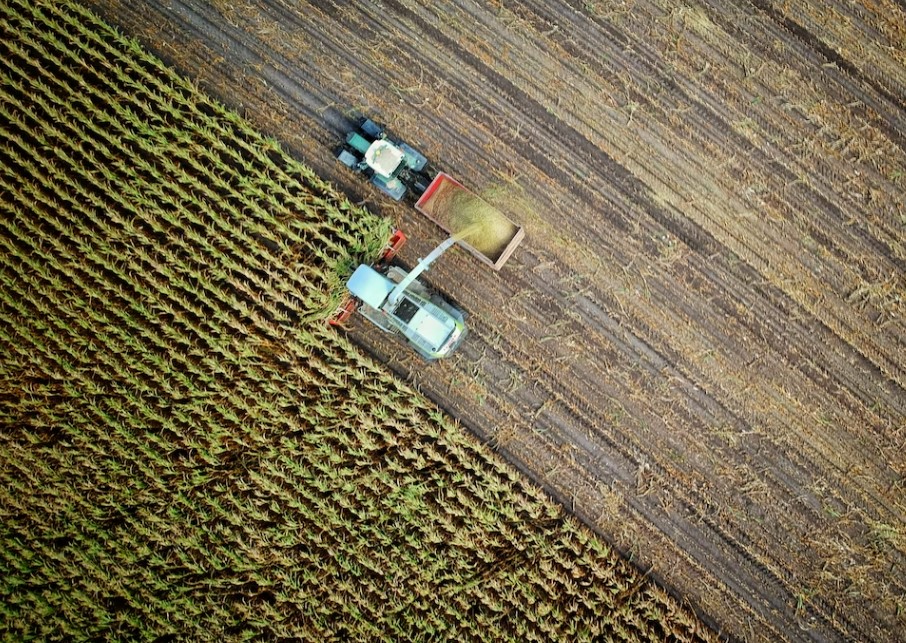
column 187, row 451
column 699, row 347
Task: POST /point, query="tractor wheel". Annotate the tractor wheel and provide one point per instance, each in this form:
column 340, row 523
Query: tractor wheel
column 371, row 128
column 419, row 183
column 348, row 159
column 415, row 160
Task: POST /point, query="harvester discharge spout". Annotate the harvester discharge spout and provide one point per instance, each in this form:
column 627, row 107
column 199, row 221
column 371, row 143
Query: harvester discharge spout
column 421, row 267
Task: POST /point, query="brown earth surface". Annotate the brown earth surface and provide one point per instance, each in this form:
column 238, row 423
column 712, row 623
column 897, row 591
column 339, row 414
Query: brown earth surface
column 699, row 347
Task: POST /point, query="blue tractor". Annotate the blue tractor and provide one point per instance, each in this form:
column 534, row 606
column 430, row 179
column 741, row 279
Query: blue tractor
column 393, row 167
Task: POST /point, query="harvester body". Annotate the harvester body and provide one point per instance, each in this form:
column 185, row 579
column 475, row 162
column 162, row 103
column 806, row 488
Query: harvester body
column 395, row 301
column 431, row 326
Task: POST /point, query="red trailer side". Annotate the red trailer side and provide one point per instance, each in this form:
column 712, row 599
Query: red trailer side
column 437, row 204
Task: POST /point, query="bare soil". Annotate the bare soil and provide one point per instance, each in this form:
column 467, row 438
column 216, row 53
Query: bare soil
column 700, row 346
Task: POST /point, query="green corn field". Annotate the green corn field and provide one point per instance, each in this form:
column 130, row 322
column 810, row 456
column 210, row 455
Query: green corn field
column 187, row 452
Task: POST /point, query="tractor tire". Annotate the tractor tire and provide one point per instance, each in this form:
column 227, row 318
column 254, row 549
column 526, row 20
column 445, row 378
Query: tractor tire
column 419, row 184
column 349, row 159
column 371, row 128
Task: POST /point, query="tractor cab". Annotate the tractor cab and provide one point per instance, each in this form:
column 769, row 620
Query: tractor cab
column 384, row 158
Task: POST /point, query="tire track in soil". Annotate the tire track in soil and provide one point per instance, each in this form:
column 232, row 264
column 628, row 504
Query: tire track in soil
column 734, row 289
column 814, row 43
column 531, row 434
column 694, row 237
column 759, row 40
column 699, row 240
column 583, row 414
column 752, row 39
column 722, row 546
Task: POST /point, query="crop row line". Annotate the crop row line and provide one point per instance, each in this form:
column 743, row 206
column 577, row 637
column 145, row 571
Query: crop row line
column 183, row 196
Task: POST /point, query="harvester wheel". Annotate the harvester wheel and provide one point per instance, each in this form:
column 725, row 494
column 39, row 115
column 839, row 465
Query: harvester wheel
column 446, row 300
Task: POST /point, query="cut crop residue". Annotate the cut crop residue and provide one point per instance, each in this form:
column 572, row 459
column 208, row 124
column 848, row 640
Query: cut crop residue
column 475, row 222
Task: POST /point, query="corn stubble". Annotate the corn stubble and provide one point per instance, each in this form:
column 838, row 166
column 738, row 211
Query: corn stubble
column 185, row 449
